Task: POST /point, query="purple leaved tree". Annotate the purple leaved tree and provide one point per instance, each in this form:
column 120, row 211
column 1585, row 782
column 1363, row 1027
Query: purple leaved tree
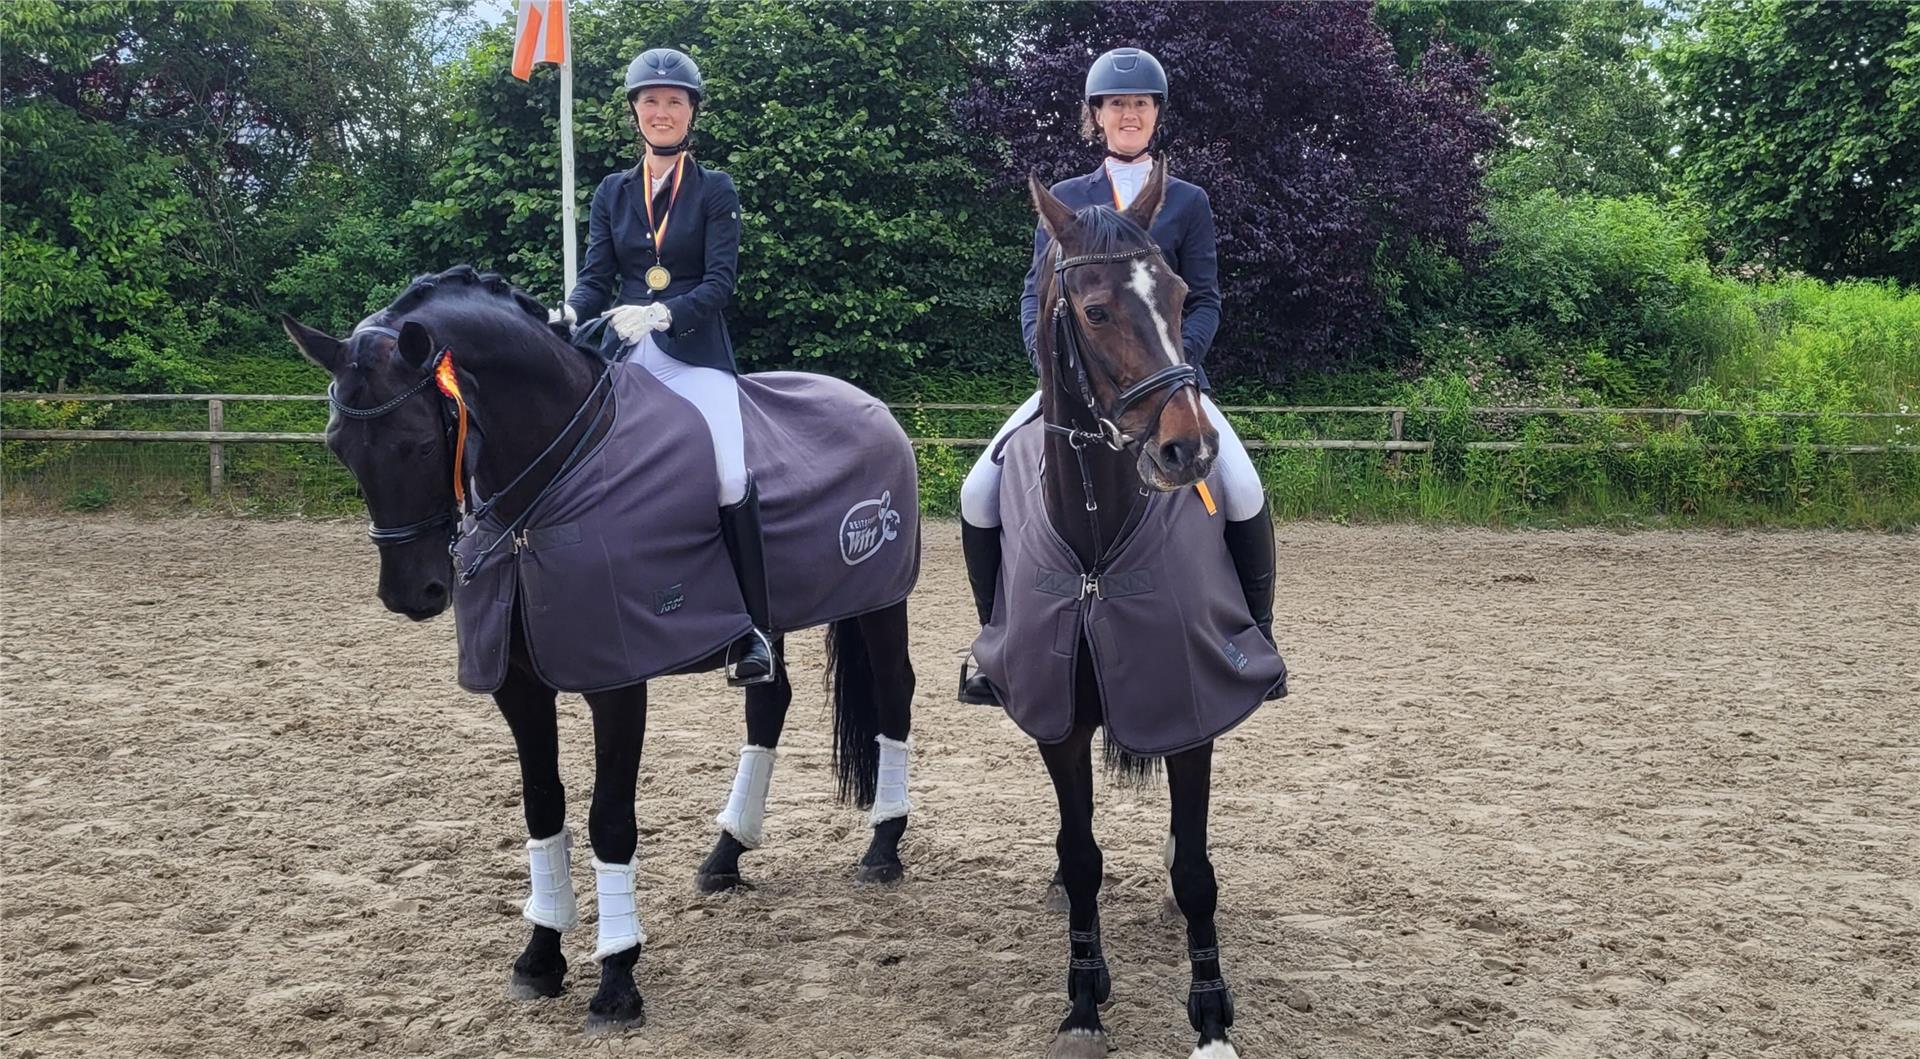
column 1325, row 162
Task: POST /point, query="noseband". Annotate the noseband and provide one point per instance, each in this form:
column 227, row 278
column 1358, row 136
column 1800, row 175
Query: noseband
column 1067, row 351
column 385, row 536
column 449, row 520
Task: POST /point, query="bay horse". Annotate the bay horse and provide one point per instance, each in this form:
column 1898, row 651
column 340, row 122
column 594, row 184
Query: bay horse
column 529, row 403
column 1122, row 433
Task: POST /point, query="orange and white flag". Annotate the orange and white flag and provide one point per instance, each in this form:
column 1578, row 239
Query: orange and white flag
column 541, row 36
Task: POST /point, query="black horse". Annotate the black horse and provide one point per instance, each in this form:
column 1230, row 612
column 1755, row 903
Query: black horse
column 529, row 402
column 1122, row 425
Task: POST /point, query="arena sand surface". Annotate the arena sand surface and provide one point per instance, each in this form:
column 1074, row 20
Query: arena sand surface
column 1568, row 794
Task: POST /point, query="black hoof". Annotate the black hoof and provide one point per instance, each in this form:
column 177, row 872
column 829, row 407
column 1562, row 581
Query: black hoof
column 720, row 882
column 618, row 1020
column 879, row 874
column 536, row 986
column 617, row 1005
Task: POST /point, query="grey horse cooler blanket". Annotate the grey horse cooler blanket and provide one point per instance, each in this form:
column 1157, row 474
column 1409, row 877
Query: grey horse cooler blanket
column 619, row 574
column 1176, row 654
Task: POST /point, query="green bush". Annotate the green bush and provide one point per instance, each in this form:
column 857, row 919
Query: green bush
column 1607, row 284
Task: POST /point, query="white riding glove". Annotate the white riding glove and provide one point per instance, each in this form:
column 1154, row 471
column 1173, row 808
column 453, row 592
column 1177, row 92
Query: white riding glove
column 564, row 315
column 631, row 322
column 662, row 316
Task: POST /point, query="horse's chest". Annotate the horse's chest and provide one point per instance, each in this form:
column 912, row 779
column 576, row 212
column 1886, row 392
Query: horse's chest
column 1175, row 653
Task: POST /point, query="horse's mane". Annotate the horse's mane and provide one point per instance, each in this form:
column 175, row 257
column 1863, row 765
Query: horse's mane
column 462, row 280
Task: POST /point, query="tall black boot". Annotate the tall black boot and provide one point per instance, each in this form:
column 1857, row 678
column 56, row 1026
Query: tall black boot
column 1250, row 543
column 982, row 550
column 750, row 659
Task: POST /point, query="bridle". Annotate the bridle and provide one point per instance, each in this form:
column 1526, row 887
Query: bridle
column 1068, row 355
column 440, row 371
column 1071, row 360
column 388, row 536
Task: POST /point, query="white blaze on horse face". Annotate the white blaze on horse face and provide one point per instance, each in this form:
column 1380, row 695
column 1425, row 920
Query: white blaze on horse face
column 1143, row 286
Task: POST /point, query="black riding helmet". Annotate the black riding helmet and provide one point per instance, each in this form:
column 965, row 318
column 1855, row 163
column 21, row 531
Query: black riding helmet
column 1125, row 72
column 666, row 66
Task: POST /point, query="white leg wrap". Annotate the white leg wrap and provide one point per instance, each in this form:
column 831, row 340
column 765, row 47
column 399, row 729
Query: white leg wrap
column 745, row 816
column 550, row 863
column 890, row 788
column 619, row 916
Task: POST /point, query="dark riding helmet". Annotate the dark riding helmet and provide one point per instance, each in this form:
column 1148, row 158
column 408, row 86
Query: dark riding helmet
column 664, row 66
column 1125, row 72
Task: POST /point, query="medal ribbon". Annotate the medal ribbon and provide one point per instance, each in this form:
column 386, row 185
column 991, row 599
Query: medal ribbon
column 660, row 233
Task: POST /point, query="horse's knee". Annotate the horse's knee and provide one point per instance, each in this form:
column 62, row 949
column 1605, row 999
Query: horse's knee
column 1195, row 889
column 1080, row 856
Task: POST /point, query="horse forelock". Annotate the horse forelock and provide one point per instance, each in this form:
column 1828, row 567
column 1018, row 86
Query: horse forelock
column 1101, row 229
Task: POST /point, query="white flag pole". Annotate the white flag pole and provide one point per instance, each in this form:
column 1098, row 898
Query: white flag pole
column 569, row 258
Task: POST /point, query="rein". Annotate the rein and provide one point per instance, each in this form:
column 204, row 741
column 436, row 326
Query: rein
column 440, row 371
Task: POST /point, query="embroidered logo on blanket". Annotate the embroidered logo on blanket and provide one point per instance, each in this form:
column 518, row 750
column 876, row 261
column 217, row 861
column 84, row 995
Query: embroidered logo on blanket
column 1235, row 656
column 669, row 599
column 867, row 527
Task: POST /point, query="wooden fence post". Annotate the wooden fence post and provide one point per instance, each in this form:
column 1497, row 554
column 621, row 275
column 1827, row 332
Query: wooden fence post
column 216, row 452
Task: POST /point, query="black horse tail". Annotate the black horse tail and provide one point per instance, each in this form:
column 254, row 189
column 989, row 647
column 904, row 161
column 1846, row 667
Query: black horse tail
column 1128, row 769
column 856, row 712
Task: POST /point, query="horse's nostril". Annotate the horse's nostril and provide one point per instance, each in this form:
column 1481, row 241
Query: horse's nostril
column 436, row 590
column 1175, row 454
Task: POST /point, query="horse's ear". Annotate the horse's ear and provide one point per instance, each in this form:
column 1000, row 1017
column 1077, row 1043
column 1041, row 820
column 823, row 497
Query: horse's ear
column 415, row 345
column 317, row 346
column 1146, row 205
column 1055, row 216
column 529, row 304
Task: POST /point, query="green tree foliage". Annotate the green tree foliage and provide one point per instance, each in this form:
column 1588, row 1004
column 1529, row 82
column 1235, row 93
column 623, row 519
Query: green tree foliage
column 1574, row 81
column 869, row 242
column 1801, row 126
column 163, row 160
column 1613, row 288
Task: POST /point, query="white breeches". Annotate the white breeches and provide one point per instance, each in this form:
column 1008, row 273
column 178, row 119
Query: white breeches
column 717, row 395
column 980, row 493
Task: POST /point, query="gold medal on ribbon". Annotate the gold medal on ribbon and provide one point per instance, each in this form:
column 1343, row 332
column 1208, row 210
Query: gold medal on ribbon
column 658, row 277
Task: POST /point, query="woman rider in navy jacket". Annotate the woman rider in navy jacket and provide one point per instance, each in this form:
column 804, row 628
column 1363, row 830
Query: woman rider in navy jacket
column 1125, row 91
column 666, row 235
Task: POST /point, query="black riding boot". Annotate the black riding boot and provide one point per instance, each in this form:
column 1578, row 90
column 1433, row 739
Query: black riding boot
column 1250, row 543
column 750, row 659
column 982, row 550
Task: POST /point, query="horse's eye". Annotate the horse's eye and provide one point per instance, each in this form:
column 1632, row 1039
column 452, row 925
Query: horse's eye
column 1096, row 315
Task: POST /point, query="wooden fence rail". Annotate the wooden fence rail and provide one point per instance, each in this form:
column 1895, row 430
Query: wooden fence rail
column 216, row 437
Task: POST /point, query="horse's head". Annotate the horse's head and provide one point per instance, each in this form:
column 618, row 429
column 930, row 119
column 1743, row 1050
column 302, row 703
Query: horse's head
column 1110, row 334
column 390, row 427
